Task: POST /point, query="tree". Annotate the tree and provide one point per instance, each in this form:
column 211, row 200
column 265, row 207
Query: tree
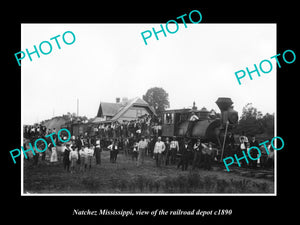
column 250, row 121
column 268, row 124
column 253, row 122
column 250, row 112
column 158, row 98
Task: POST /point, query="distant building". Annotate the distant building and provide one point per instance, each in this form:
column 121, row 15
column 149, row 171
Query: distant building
column 124, row 110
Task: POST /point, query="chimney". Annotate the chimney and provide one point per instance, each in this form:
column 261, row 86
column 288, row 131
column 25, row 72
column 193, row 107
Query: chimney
column 117, row 100
column 124, row 100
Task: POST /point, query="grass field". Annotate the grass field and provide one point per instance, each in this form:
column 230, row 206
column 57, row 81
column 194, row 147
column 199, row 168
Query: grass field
column 126, row 177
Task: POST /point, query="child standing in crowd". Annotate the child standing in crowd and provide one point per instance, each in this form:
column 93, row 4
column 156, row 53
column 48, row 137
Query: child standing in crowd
column 73, row 158
column 89, row 155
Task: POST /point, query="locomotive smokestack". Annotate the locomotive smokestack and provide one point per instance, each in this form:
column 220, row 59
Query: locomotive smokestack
column 227, row 112
column 224, row 103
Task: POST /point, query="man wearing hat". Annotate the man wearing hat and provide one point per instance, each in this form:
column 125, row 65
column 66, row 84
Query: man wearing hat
column 159, row 148
column 185, row 155
column 66, row 155
column 197, row 154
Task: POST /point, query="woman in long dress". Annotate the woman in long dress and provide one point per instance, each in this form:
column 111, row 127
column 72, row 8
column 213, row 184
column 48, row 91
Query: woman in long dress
column 53, row 157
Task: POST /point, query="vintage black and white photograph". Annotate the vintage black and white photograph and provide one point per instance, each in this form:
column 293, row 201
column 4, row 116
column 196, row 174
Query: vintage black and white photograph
column 170, row 117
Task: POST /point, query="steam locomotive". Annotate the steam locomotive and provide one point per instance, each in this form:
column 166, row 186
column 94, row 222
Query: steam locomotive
column 209, row 128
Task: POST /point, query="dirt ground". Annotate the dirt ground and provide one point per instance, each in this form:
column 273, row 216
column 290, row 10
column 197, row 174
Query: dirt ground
column 126, row 177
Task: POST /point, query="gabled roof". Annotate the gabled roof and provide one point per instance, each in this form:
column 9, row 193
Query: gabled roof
column 133, row 102
column 108, row 109
column 139, row 101
column 116, row 110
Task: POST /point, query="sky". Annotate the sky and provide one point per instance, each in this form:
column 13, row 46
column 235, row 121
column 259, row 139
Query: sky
column 106, row 61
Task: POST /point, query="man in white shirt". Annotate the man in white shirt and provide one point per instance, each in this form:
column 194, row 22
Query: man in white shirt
column 174, row 148
column 158, row 150
column 89, row 155
column 193, row 119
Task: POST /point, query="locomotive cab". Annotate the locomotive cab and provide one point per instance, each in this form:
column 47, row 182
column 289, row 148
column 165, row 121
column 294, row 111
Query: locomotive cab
column 171, row 120
column 209, row 126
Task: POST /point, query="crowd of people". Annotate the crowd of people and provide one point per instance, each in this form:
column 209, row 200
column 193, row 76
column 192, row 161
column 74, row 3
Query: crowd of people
column 32, row 133
column 144, row 125
column 243, row 144
column 37, row 130
column 80, row 154
column 134, row 141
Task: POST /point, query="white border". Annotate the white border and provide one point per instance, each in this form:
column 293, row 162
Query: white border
column 145, row 194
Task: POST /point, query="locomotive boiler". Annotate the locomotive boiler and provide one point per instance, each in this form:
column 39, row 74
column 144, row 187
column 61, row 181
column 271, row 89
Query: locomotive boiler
column 210, row 127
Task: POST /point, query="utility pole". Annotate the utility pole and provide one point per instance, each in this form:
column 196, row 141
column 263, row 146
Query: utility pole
column 77, row 107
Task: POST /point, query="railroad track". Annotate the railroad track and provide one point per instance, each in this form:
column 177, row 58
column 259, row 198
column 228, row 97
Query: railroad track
column 249, row 172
